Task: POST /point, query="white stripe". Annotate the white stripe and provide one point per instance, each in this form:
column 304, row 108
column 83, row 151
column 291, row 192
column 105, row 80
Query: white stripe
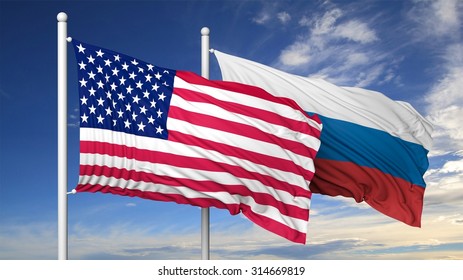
column 241, row 142
column 355, row 105
column 147, row 143
column 264, row 210
column 216, row 111
column 244, row 99
column 195, row 174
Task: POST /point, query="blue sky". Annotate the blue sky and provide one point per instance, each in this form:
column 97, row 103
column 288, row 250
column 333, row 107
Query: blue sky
column 409, row 50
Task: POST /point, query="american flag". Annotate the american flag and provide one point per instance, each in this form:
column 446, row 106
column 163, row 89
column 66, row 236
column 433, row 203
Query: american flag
column 169, row 135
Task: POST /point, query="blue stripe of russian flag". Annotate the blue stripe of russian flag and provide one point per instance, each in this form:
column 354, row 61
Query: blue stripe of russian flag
column 364, row 146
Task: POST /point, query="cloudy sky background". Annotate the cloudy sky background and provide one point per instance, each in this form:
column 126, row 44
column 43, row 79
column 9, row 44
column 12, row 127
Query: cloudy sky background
column 408, row 50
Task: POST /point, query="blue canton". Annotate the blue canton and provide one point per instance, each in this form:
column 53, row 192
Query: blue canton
column 121, row 93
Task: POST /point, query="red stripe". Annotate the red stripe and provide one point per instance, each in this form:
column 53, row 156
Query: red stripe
column 199, row 186
column 189, row 162
column 241, row 129
column 389, row 195
column 267, row 223
column 267, row 116
column 274, row 226
column 257, row 158
column 242, row 89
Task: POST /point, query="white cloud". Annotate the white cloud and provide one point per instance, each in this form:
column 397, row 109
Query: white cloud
column 296, row 54
column 436, row 18
column 446, row 18
column 445, row 103
column 356, row 31
column 28, row 241
column 444, row 191
column 284, row 17
column 325, row 24
column 357, row 59
column 366, row 78
column 262, row 18
column 352, row 63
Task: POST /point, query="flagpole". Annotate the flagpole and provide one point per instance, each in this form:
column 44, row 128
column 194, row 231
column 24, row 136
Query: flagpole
column 205, row 240
column 62, row 138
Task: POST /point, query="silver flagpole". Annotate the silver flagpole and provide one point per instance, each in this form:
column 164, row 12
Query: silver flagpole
column 205, row 211
column 62, row 138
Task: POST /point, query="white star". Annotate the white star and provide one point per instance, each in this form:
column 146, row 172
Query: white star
column 115, row 71
column 82, row 65
column 120, row 96
column 99, row 69
column 143, row 110
column 107, row 62
column 100, row 101
column 100, row 119
column 81, row 48
column 114, row 122
column 151, row 120
column 107, row 77
column 134, row 62
column 159, row 129
column 91, row 59
column 141, row 126
column 113, row 86
column 91, row 75
column 100, row 84
column 84, row 118
column 158, row 76
column 153, row 104
column 117, row 57
column 99, row 53
column 125, row 66
column 92, row 91
column 83, row 83
column 150, row 67
column 127, row 124
column 84, row 100
column 92, row 109
column 140, row 70
column 155, row 87
column 108, row 95
column 159, row 112
column 120, row 114
column 146, row 94
column 108, row 111
column 136, row 99
column 122, row 80
column 132, row 75
column 128, row 107
column 148, row 78
column 129, row 89
column 139, row 84
column 161, row 96
column 134, row 116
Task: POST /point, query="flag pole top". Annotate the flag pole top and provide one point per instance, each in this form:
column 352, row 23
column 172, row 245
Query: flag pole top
column 62, row 17
column 205, row 31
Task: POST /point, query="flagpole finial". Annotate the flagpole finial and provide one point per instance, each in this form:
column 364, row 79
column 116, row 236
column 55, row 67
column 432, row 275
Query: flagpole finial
column 205, row 31
column 62, row 17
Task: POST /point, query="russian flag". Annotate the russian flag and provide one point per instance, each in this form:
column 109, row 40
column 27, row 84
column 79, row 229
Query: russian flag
column 373, row 149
